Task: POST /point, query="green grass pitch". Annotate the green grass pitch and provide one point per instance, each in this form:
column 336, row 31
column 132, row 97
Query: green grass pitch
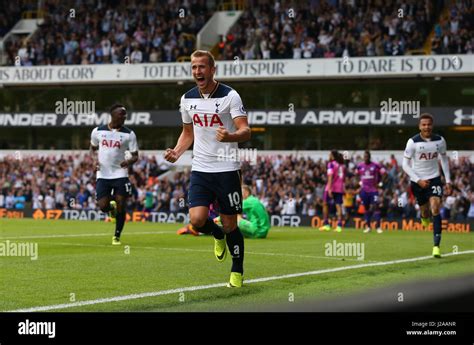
column 76, row 262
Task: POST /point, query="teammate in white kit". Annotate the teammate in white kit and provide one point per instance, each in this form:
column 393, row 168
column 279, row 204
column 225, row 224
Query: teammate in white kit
column 424, row 150
column 113, row 186
column 215, row 119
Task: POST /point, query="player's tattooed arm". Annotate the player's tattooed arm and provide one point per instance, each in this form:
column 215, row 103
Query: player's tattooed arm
column 93, row 153
column 94, row 148
column 185, row 141
column 407, row 168
column 412, row 174
column 447, row 175
column 240, row 135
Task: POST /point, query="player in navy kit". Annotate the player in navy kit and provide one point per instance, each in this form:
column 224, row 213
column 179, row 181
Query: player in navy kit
column 425, row 149
column 214, row 119
column 112, row 141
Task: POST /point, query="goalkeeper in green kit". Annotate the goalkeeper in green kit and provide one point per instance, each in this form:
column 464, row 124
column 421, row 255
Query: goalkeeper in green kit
column 257, row 221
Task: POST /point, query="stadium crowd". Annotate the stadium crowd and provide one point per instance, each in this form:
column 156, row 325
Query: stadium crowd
column 164, row 30
column 285, row 184
column 317, row 29
column 10, row 14
column 95, row 32
column 453, row 34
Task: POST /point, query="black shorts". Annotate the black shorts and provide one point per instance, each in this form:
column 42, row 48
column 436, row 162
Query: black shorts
column 225, row 187
column 423, row 195
column 116, row 186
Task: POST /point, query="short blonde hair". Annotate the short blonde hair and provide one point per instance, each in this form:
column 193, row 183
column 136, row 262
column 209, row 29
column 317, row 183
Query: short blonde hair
column 201, row 53
column 247, row 188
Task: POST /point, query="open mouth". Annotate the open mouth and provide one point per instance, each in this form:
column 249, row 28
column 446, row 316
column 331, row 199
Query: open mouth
column 200, row 79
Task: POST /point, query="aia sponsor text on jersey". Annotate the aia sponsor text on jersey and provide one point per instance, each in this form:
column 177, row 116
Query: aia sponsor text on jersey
column 428, row 155
column 111, row 143
column 207, row 120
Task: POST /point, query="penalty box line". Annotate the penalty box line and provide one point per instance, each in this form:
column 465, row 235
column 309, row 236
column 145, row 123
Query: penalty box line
column 211, row 286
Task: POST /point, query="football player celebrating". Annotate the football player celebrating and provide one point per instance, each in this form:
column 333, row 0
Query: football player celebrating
column 113, row 186
column 420, row 163
column 215, row 120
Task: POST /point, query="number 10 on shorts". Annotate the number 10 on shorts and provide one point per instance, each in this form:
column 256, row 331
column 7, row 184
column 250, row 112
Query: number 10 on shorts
column 234, row 199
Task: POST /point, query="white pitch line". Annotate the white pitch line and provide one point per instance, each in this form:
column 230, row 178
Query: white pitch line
column 211, row 286
column 86, row 235
column 119, row 298
column 276, row 254
column 207, row 251
column 330, row 270
column 310, row 256
column 92, row 245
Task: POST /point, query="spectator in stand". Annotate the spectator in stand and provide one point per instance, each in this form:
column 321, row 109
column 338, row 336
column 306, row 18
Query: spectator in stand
column 20, row 200
column 10, row 200
column 49, row 200
column 470, row 198
column 348, row 204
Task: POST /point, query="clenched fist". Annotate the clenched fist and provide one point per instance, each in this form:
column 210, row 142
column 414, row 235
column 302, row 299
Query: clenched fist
column 222, row 134
column 171, row 155
column 449, row 188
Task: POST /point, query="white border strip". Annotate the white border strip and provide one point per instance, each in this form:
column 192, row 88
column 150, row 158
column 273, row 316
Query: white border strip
column 211, row 286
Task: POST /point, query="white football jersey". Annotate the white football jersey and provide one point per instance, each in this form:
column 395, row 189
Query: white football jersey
column 206, row 114
column 112, row 146
column 425, row 154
